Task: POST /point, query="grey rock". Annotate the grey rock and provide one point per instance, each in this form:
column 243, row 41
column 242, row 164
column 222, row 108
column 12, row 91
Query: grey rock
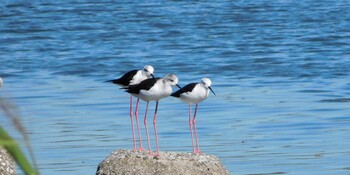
column 128, row 162
column 7, row 164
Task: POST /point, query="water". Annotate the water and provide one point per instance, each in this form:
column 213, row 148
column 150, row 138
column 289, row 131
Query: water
column 280, row 70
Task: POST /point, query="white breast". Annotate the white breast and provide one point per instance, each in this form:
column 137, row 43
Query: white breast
column 198, row 94
column 160, row 90
column 138, row 77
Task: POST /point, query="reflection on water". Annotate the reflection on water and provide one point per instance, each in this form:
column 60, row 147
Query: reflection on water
column 279, row 70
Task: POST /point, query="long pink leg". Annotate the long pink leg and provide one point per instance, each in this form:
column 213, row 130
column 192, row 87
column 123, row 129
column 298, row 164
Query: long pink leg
column 132, row 123
column 155, row 128
column 137, row 123
column 198, row 151
column 190, row 123
column 146, row 126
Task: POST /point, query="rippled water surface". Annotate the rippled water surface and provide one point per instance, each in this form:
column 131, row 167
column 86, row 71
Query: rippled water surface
column 280, row 69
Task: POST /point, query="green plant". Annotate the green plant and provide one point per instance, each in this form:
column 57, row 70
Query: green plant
column 11, row 145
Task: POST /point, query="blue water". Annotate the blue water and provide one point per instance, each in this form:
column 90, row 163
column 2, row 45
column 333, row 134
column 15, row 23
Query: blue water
column 280, row 70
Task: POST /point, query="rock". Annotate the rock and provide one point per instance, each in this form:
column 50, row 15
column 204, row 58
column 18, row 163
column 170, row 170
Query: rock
column 7, row 164
column 128, row 162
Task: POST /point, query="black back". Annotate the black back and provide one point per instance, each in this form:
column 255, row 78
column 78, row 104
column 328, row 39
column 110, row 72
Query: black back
column 125, row 79
column 187, row 88
column 145, row 85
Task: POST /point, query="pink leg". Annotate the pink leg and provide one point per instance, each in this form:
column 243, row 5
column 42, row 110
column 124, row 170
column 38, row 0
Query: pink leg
column 132, row 123
column 155, row 128
column 145, row 122
column 137, row 123
column 190, row 123
column 198, row 151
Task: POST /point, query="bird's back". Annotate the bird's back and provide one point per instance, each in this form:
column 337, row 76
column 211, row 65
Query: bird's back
column 144, row 85
column 185, row 89
column 125, row 79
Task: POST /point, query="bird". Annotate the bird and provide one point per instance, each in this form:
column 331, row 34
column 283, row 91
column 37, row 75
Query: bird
column 1, row 82
column 194, row 93
column 131, row 78
column 153, row 89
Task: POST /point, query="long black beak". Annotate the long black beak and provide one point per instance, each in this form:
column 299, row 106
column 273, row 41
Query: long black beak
column 178, row 86
column 152, row 75
column 212, row 90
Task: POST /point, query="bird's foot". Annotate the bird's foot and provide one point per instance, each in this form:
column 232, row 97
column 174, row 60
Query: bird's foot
column 141, row 149
column 198, row 151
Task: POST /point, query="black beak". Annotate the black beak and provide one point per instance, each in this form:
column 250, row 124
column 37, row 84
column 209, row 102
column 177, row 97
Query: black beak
column 178, row 86
column 152, row 75
column 212, row 90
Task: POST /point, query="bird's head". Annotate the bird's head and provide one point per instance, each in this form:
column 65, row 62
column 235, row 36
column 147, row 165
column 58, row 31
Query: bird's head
column 148, row 69
column 172, row 79
column 207, row 83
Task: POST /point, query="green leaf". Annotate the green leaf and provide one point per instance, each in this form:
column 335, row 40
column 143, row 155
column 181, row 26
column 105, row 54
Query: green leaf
column 15, row 151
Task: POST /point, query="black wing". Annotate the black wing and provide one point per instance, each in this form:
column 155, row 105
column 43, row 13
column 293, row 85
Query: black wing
column 125, row 79
column 187, row 88
column 145, row 85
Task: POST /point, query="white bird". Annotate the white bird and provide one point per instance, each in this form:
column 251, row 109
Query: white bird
column 131, row 78
column 1, row 82
column 194, row 93
column 153, row 89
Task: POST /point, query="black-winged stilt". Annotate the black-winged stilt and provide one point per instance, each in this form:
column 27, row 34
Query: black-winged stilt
column 131, row 78
column 1, row 82
column 153, row 89
column 194, row 93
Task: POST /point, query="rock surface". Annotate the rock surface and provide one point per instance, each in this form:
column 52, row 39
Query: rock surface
column 7, row 164
column 129, row 162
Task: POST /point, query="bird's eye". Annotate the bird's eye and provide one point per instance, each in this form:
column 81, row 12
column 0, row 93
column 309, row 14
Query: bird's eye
column 171, row 80
column 145, row 70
